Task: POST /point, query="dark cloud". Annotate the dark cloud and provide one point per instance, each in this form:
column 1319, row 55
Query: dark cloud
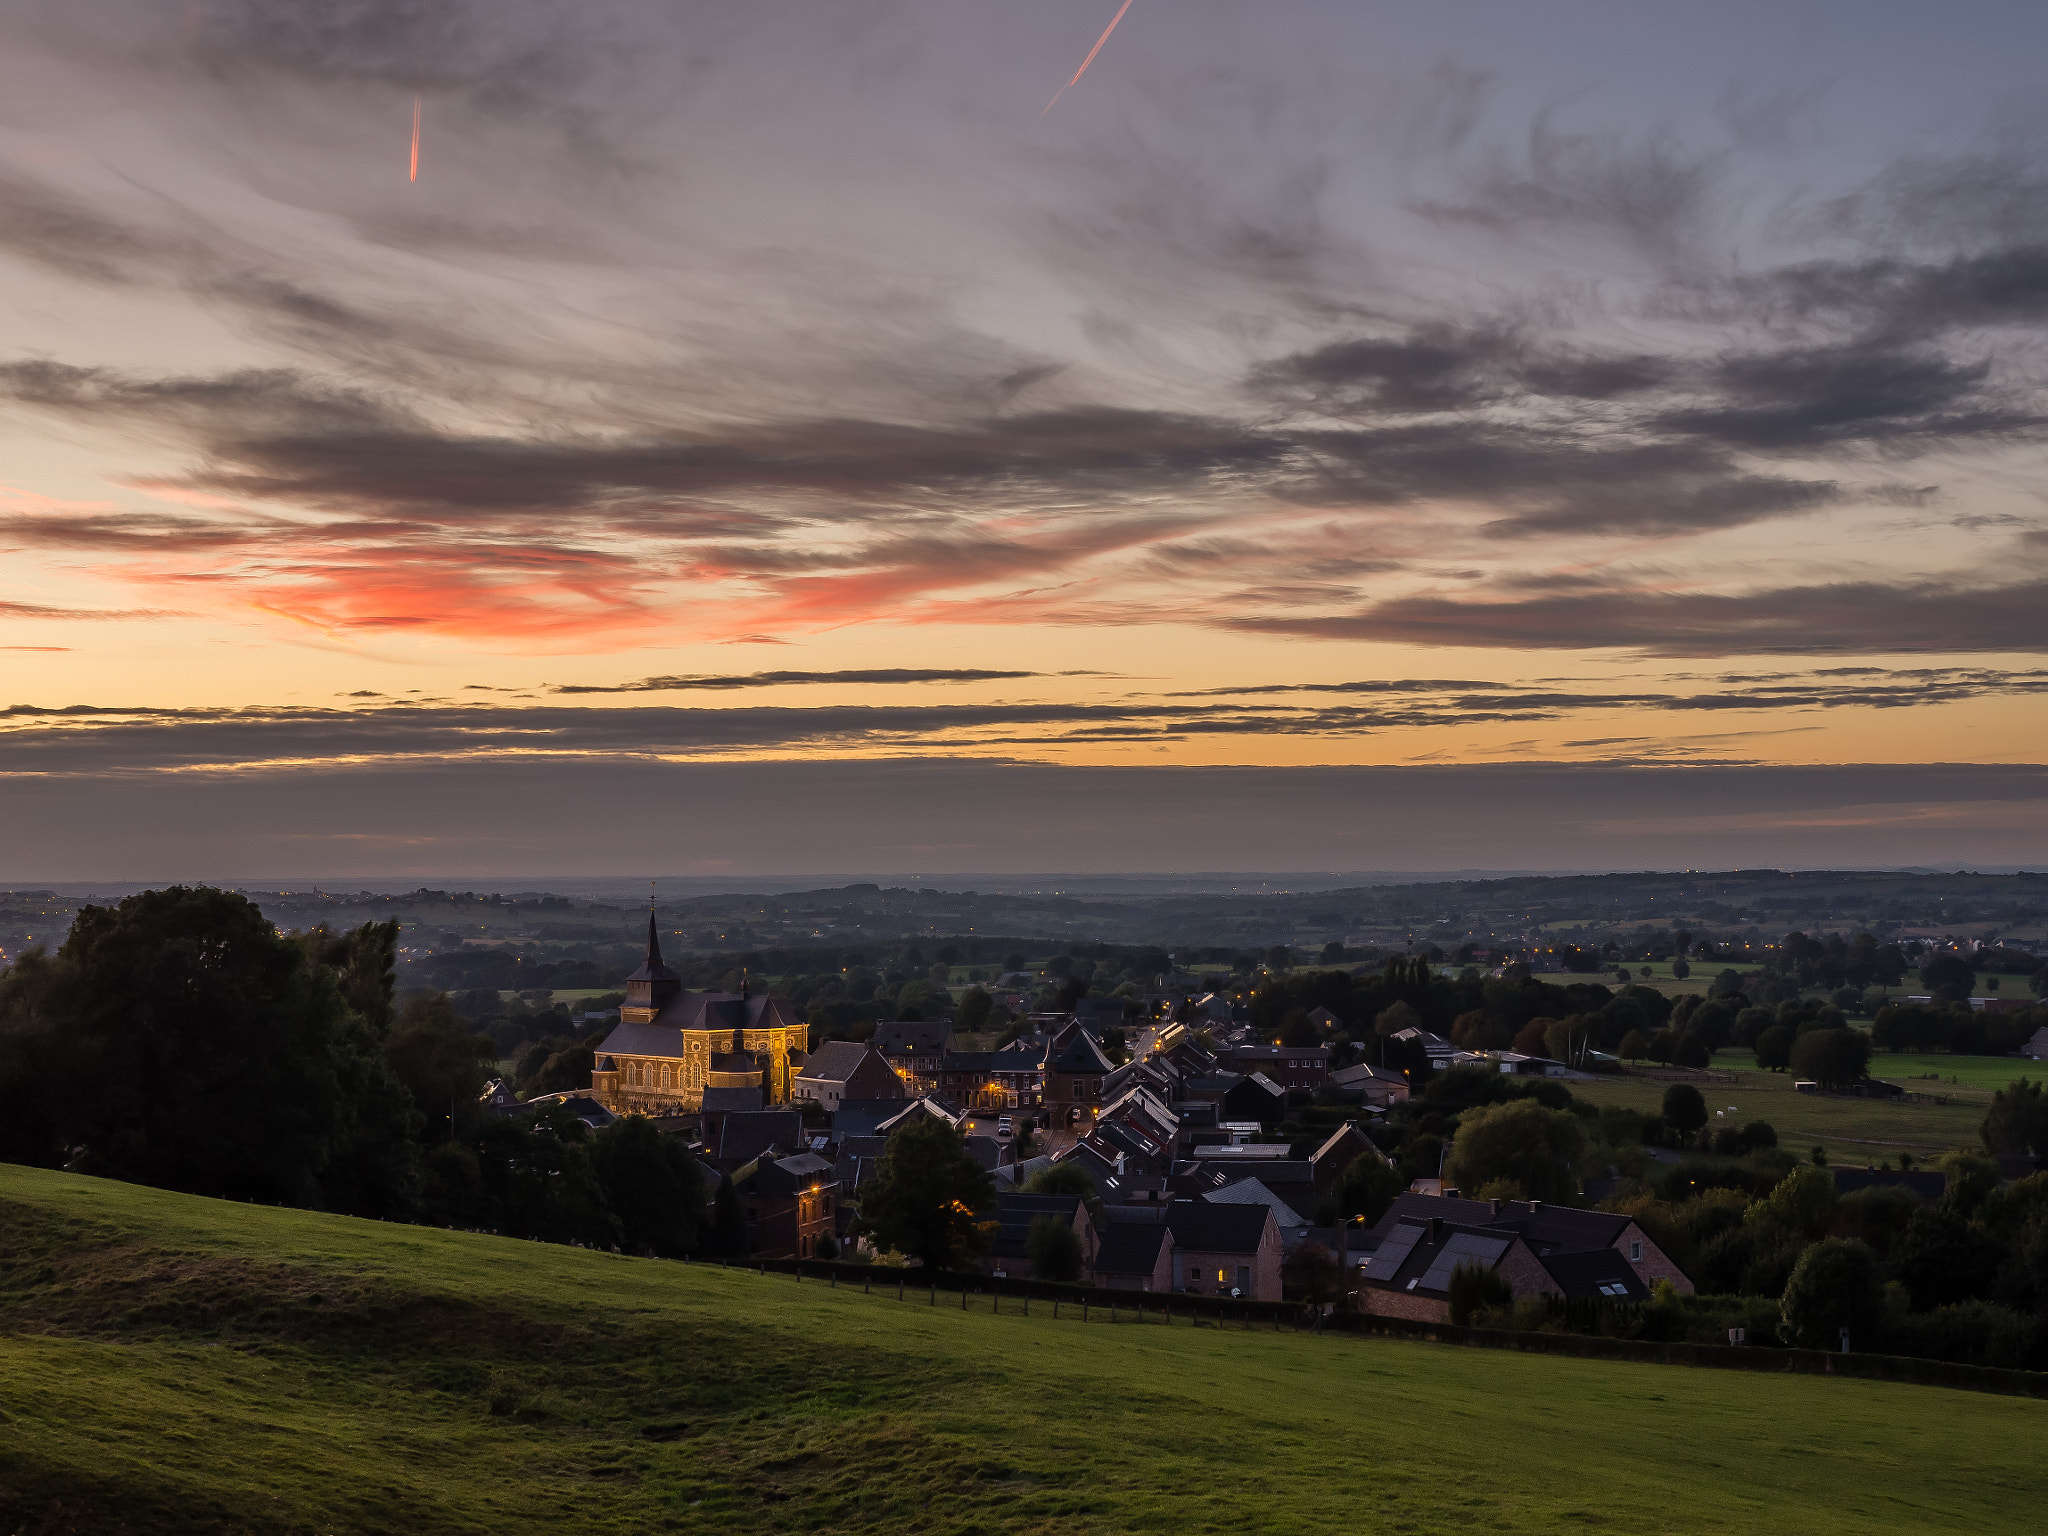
column 95, row 739
column 1810, row 398
column 1651, row 193
column 1818, row 620
column 714, row 682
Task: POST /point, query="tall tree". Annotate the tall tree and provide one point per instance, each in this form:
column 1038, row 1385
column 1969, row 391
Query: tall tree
column 200, row 1050
column 441, row 1063
column 1519, row 1142
column 652, row 1184
column 927, row 1196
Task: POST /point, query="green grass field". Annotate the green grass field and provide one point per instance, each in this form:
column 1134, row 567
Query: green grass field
column 171, row 1364
column 1853, row 1130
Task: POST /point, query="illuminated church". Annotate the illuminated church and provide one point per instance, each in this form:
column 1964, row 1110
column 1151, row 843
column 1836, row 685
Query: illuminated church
column 670, row 1045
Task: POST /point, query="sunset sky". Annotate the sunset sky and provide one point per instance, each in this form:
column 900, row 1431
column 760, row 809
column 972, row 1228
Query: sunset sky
column 1562, row 393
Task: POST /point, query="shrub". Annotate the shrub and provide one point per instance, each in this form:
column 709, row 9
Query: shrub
column 1835, row 1285
column 1474, row 1287
column 1969, row 1333
column 1054, row 1248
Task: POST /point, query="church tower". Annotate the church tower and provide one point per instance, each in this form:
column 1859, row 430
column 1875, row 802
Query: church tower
column 651, row 988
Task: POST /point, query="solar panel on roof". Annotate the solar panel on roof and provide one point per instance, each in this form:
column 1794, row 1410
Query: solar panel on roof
column 1387, row 1260
column 1463, row 1248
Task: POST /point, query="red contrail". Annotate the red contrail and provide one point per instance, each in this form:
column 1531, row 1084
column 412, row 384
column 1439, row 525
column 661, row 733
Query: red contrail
column 416, row 139
column 1087, row 61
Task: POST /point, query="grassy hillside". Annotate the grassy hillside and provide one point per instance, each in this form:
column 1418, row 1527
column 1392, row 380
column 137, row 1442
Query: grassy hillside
column 175, row 1364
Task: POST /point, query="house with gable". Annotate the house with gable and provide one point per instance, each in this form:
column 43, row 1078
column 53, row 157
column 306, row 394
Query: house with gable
column 1546, row 1231
column 1075, row 1070
column 1136, row 1255
column 845, row 1069
column 1223, row 1248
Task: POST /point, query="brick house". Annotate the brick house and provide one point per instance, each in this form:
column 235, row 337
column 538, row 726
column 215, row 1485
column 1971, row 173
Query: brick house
column 1409, row 1274
column 993, row 1080
column 1135, row 1256
column 1545, row 1229
column 1075, row 1067
column 1330, row 1160
column 915, row 1047
column 845, row 1069
column 790, row 1203
column 1221, row 1248
column 1288, row 1065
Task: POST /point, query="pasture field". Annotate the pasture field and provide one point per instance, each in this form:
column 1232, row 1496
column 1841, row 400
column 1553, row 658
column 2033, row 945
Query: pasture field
column 1853, row 1130
column 1951, row 1072
column 174, row 1364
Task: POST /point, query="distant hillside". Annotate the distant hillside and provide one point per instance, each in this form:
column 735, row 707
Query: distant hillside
column 171, row 1364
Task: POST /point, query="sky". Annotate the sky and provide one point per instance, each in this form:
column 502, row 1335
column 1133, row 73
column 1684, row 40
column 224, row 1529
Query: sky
column 782, row 436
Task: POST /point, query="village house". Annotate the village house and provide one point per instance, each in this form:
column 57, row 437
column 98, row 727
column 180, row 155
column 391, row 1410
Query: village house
column 1546, row 1231
column 1221, row 1249
column 845, row 1069
column 993, row 1080
column 1075, row 1068
column 790, row 1204
column 915, row 1047
column 1409, row 1273
column 1135, row 1256
column 1374, row 1085
column 1288, row 1065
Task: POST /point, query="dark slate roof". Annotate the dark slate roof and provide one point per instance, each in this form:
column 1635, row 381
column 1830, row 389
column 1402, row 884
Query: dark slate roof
column 1595, row 1272
column 1131, row 1247
column 1546, row 1228
column 1016, row 1212
column 1415, row 1257
column 930, row 1104
column 986, row 1150
column 860, row 1117
column 1252, row 1192
column 651, row 968
column 857, row 1158
column 744, row 1137
column 834, row 1061
column 1080, row 1057
column 697, row 1010
column 732, row 1100
column 1217, row 1228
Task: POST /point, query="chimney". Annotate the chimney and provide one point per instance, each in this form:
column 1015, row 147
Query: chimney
column 1436, row 1230
column 1495, row 1203
column 1535, row 1206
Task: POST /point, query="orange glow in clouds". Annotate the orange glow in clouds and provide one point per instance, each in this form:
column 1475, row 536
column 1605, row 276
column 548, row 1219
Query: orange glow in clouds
column 415, row 176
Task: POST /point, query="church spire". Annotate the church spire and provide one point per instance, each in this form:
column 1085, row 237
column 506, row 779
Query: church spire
column 653, row 943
